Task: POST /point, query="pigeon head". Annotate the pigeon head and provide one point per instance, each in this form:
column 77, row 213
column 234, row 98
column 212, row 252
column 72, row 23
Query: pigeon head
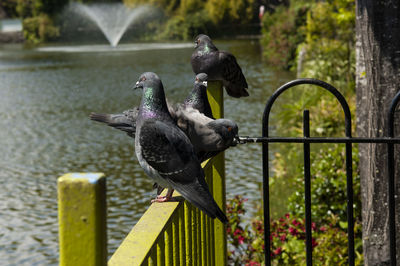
column 202, row 41
column 153, row 92
column 148, row 79
column 201, row 78
column 227, row 129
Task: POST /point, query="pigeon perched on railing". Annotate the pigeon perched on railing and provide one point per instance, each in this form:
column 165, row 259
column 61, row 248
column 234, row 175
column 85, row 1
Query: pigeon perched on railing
column 166, row 153
column 218, row 65
column 208, row 136
column 194, row 117
column 197, row 99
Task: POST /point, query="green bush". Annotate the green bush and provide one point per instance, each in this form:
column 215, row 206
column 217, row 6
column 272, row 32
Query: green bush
column 287, row 236
column 281, row 33
column 39, row 29
column 186, row 27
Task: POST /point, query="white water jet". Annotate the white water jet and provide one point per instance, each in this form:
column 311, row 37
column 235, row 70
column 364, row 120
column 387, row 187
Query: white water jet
column 112, row 19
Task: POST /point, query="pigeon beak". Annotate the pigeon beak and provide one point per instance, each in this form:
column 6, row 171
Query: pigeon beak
column 137, row 85
column 205, row 83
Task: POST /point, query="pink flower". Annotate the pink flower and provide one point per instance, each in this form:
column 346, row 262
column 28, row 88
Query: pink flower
column 241, row 239
column 253, row 263
column 278, row 251
column 237, row 232
column 314, row 243
column 295, row 222
column 283, row 237
column 313, row 226
column 287, row 215
column 322, row 228
column 293, row 231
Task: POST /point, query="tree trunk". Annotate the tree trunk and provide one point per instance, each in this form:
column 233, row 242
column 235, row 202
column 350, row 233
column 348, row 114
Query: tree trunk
column 378, row 80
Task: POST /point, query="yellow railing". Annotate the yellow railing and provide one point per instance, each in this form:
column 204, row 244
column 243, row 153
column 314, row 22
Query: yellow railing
column 173, row 233
column 170, row 233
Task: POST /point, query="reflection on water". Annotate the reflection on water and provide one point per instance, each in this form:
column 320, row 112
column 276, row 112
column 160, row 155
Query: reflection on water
column 45, row 100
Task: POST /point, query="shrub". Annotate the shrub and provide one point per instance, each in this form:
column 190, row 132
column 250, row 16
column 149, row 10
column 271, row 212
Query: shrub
column 281, row 33
column 185, row 27
column 246, row 242
column 39, row 29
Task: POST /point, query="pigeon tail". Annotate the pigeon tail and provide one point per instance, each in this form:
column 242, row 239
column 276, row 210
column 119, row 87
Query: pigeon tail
column 198, row 194
column 118, row 121
column 236, row 89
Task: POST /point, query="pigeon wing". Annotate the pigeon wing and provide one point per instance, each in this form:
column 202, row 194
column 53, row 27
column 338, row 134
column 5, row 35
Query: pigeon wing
column 234, row 80
column 168, row 150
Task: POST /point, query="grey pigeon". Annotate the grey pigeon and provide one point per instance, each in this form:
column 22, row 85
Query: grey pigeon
column 208, row 136
column 197, row 99
column 165, row 152
column 194, row 117
column 218, row 65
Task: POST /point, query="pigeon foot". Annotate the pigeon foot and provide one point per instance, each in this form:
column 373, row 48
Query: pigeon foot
column 166, row 198
column 161, row 199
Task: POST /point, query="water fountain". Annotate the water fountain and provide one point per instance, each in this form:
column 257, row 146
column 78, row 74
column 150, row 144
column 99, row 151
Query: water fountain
column 112, row 19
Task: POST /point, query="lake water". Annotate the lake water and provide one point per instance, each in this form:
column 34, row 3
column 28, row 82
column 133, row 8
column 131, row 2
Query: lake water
column 46, row 95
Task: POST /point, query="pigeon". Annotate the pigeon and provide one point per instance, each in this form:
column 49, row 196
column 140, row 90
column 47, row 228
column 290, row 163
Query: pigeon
column 193, row 116
column 218, row 65
column 197, row 99
column 166, row 154
column 208, row 136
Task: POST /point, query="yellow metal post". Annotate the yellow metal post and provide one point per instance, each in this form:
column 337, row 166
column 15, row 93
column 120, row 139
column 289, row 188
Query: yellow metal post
column 82, row 219
column 216, row 98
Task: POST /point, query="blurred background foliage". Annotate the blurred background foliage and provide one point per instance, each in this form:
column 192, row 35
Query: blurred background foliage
column 178, row 20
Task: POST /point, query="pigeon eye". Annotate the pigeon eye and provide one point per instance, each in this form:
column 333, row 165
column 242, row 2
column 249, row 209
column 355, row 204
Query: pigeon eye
column 229, row 129
column 143, row 79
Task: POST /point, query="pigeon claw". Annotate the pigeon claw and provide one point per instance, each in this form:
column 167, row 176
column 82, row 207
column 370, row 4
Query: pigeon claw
column 161, row 199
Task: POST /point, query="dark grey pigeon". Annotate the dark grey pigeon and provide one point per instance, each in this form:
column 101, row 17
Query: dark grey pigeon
column 165, row 152
column 194, row 117
column 218, row 65
column 197, row 99
column 208, row 136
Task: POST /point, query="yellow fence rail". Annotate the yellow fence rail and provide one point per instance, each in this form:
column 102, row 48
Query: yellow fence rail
column 169, row 233
column 173, row 233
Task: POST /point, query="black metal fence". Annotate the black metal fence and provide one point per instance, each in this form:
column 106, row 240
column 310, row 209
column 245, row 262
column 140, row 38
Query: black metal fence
column 307, row 140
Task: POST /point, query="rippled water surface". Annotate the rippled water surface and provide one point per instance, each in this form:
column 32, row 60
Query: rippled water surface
column 46, row 96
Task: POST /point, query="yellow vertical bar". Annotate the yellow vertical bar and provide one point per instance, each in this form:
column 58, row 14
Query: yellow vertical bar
column 168, row 245
column 215, row 97
column 219, row 196
column 204, row 245
column 182, row 249
column 210, row 222
column 194, row 236
column 198, row 231
column 160, row 251
column 82, row 219
column 188, row 233
column 175, row 238
column 152, row 260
